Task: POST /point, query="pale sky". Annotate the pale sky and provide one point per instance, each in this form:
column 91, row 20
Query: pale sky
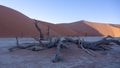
column 67, row 11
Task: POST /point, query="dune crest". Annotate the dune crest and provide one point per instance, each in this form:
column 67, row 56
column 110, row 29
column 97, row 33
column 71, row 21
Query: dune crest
column 14, row 23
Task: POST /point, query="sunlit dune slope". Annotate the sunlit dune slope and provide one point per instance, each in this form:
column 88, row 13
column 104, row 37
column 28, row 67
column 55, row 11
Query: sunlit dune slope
column 14, row 23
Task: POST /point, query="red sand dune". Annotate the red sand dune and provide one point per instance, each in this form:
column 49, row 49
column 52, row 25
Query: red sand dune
column 93, row 28
column 14, row 23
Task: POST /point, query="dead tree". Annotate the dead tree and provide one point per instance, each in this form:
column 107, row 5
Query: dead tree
column 99, row 45
column 40, row 41
column 40, row 31
column 48, row 32
column 17, row 41
column 19, row 46
column 102, row 44
column 86, row 34
column 59, row 42
column 57, row 56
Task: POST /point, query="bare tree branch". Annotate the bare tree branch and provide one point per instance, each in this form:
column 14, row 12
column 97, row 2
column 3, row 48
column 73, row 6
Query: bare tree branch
column 48, row 32
column 37, row 27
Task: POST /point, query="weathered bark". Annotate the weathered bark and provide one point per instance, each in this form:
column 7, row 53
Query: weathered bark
column 17, row 45
column 48, row 32
column 61, row 42
column 57, row 56
column 84, row 49
column 17, row 41
column 24, row 46
column 102, row 44
column 20, row 46
column 40, row 31
column 98, row 45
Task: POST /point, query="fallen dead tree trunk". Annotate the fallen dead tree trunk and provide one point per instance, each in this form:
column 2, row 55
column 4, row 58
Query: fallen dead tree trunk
column 96, row 45
column 99, row 45
column 53, row 42
column 59, row 43
column 103, row 44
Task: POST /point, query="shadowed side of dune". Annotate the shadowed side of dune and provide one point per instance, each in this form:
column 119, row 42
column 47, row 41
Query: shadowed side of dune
column 82, row 29
column 14, row 23
column 104, row 29
column 55, row 30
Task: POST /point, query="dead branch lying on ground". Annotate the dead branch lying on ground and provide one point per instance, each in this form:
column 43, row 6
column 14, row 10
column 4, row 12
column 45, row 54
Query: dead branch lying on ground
column 84, row 49
column 60, row 42
column 96, row 45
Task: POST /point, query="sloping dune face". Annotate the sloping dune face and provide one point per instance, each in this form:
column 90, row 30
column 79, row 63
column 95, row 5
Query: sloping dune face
column 14, row 23
column 106, row 29
column 83, row 28
column 55, row 30
column 115, row 29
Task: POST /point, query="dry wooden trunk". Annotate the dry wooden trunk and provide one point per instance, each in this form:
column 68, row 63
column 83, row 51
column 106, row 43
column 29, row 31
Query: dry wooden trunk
column 39, row 30
column 58, row 42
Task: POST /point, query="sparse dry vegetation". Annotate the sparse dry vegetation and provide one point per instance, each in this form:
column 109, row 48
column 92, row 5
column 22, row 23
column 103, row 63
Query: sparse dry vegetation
column 60, row 42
